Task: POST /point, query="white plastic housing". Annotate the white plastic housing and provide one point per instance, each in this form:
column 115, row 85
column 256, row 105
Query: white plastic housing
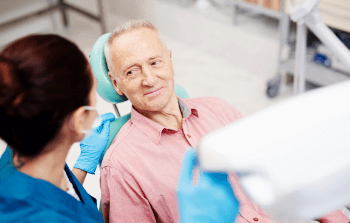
column 293, row 158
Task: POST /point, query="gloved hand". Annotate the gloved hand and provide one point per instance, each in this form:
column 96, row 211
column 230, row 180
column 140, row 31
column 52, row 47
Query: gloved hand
column 93, row 146
column 211, row 200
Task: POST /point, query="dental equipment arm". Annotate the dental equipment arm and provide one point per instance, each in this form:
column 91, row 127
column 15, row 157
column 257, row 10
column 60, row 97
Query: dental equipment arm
column 293, row 158
column 306, row 14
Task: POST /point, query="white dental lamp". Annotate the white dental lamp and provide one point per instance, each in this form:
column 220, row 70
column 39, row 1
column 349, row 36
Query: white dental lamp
column 293, row 158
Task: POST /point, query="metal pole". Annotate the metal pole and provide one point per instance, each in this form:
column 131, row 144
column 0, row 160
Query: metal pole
column 300, row 60
column 28, row 16
column 116, row 110
column 283, row 27
column 57, row 25
column 234, row 12
column 102, row 17
column 63, row 8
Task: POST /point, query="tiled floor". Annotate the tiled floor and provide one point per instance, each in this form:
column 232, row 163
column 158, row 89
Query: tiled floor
column 235, row 67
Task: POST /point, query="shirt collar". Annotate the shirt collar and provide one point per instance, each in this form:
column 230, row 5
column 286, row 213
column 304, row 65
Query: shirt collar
column 185, row 110
column 154, row 130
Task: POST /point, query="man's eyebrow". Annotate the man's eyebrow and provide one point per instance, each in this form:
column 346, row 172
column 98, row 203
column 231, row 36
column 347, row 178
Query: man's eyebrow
column 155, row 57
column 128, row 66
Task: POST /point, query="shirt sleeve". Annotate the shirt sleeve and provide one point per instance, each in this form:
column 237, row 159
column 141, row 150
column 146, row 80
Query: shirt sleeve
column 334, row 217
column 122, row 198
column 250, row 211
column 229, row 111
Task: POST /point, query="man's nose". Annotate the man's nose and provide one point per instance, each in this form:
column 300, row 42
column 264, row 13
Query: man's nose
column 149, row 78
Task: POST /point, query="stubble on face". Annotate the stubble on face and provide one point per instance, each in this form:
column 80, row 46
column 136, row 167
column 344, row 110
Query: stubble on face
column 141, row 50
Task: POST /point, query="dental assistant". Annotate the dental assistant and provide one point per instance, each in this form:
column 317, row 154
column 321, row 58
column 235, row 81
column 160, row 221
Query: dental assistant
column 47, row 103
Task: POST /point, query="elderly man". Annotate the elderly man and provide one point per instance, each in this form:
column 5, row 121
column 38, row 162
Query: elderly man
column 140, row 170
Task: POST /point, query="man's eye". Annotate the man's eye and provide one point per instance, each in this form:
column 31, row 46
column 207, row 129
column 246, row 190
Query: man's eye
column 131, row 72
column 155, row 63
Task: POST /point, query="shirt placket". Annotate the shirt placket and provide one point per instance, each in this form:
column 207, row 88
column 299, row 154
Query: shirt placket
column 187, row 133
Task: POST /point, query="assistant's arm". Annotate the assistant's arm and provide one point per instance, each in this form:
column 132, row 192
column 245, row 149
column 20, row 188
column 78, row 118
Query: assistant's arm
column 92, row 149
column 79, row 174
column 211, row 200
column 122, row 198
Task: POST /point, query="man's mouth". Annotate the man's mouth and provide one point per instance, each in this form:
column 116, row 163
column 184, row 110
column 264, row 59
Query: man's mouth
column 152, row 92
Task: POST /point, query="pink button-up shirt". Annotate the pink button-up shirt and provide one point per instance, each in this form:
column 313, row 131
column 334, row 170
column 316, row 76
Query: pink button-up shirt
column 140, row 170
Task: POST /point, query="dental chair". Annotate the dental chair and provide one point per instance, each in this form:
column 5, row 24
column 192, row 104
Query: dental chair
column 106, row 90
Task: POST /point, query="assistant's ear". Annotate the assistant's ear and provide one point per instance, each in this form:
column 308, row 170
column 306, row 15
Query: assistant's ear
column 115, row 83
column 76, row 122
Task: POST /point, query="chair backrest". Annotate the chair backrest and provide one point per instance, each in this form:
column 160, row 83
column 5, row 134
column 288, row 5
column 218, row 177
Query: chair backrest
column 106, row 90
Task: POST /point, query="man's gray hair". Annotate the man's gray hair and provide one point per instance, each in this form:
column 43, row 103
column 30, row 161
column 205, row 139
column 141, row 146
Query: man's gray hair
column 128, row 26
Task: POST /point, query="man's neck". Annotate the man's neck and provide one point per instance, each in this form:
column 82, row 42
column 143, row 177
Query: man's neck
column 170, row 116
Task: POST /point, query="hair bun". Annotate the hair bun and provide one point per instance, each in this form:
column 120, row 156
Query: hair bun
column 10, row 86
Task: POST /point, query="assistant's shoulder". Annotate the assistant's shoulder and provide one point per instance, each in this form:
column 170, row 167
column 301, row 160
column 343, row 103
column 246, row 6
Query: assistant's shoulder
column 47, row 216
column 20, row 211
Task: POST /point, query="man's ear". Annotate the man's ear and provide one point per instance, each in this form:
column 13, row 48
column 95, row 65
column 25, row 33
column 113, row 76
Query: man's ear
column 170, row 54
column 115, row 83
column 171, row 61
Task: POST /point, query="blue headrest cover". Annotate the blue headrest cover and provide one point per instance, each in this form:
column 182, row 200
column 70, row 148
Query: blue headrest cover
column 99, row 68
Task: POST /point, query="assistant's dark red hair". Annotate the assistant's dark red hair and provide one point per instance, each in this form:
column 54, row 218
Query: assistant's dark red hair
column 43, row 79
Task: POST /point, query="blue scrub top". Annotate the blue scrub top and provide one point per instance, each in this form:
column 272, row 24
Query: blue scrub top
column 26, row 199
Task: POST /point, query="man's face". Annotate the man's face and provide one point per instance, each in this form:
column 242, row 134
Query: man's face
column 142, row 70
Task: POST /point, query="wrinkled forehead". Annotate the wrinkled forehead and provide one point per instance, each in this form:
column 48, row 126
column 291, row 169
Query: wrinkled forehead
column 139, row 40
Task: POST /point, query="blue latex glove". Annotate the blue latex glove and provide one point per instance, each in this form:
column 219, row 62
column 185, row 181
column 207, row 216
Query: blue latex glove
column 211, row 200
column 93, row 146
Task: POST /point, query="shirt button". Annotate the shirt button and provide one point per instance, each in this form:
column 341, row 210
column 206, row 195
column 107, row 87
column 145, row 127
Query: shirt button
column 256, row 219
column 188, row 135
